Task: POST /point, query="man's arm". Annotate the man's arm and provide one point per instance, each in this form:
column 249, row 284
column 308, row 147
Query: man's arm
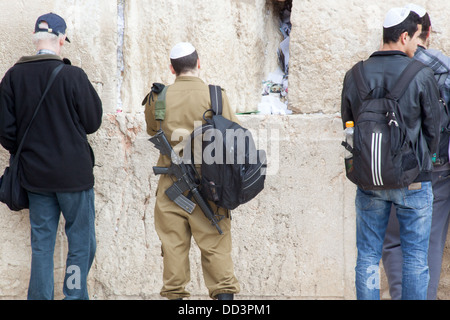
column 89, row 105
column 346, row 110
column 430, row 110
column 8, row 124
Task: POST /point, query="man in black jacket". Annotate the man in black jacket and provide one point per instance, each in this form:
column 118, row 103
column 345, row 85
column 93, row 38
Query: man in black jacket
column 56, row 160
column 392, row 253
column 418, row 109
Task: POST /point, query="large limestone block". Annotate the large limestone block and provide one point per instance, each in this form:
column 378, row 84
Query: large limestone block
column 288, row 242
column 293, row 239
column 329, row 37
column 15, row 254
column 126, row 264
column 236, row 40
column 91, row 27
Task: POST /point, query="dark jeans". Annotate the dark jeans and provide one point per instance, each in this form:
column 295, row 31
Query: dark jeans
column 392, row 252
column 79, row 214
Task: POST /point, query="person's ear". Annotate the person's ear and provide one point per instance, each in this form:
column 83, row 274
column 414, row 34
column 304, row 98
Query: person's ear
column 404, row 37
column 172, row 69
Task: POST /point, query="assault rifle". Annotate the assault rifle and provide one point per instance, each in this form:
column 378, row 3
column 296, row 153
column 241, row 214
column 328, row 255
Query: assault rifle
column 187, row 180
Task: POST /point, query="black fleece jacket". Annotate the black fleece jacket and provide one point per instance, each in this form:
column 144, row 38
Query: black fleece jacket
column 56, row 155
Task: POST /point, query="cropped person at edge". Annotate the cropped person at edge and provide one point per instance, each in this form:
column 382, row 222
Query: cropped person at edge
column 392, row 253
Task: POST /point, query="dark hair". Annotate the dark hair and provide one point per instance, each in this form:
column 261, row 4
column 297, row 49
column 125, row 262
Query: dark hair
column 409, row 25
column 426, row 25
column 185, row 64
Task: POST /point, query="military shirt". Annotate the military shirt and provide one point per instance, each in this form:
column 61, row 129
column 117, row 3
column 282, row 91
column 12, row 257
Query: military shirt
column 186, row 102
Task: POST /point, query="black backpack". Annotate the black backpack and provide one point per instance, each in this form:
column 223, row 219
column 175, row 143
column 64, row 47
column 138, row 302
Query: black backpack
column 383, row 155
column 233, row 171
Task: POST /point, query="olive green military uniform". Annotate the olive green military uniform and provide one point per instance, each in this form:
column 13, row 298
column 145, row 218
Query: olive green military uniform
column 186, row 101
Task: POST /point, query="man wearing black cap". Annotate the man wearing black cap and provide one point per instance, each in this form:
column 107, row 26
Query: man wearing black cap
column 418, row 109
column 56, row 159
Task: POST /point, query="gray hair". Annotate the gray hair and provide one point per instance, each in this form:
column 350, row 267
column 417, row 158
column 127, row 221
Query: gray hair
column 44, row 36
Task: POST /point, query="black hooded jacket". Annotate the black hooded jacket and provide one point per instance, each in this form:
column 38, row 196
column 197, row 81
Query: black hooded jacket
column 56, row 155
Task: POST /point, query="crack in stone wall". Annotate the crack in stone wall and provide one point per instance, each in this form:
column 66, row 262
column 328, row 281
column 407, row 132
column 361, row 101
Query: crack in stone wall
column 120, row 56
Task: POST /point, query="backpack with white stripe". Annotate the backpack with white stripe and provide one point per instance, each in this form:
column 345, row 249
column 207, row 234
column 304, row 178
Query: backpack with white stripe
column 383, row 155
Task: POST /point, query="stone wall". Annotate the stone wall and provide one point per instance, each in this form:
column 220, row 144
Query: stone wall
column 294, row 241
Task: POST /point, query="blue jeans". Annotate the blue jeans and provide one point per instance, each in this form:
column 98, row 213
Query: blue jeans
column 414, row 212
column 79, row 214
column 392, row 251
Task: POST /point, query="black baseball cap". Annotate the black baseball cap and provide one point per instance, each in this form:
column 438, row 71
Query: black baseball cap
column 56, row 24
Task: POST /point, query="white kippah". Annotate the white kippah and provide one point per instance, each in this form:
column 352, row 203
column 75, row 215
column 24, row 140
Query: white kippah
column 181, row 50
column 395, row 16
column 417, row 9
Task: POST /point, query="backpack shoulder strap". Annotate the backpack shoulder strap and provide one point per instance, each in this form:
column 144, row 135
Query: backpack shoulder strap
column 361, row 84
column 215, row 93
column 405, row 79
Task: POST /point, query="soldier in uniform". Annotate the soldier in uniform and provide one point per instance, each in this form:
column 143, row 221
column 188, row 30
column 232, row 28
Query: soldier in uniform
column 186, row 101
